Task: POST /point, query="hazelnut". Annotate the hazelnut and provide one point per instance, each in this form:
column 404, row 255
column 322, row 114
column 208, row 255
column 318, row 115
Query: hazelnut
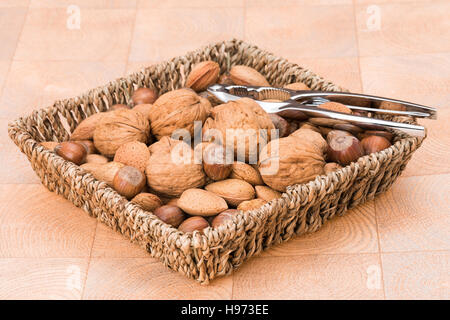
column 344, row 149
column 129, row 181
column 385, row 134
column 144, row 96
column 192, row 224
column 71, row 151
column 89, row 145
column 171, row 215
column 215, row 162
column 280, row 124
column 373, row 144
column 223, row 217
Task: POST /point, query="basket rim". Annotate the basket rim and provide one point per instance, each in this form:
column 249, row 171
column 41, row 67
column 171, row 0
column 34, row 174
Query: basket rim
column 20, row 131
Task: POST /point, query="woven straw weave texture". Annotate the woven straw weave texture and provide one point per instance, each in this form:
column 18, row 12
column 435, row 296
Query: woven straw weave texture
column 216, row 252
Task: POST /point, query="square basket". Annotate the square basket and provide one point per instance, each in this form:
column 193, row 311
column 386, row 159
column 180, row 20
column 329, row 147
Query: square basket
column 216, row 252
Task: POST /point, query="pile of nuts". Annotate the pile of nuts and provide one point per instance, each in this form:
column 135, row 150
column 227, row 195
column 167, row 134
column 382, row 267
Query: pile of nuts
column 137, row 149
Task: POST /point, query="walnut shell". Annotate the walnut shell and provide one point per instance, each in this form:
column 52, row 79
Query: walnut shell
column 245, row 122
column 178, row 109
column 312, row 136
column 171, row 168
column 290, row 160
column 119, row 127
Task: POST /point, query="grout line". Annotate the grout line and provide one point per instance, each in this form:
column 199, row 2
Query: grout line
column 133, row 30
column 380, row 260
column 89, row 261
column 12, row 58
column 355, row 26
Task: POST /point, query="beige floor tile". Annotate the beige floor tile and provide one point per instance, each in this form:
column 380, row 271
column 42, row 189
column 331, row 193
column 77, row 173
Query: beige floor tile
column 342, row 71
column 353, row 233
column 14, row 3
column 293, row 3
column 15, row 165
column 303, row 31
column 111, row 244
column 58, row 278
column 33, row 85
column 310, row 277
column 37, row 223
column 432, row 156
column 135, row 66
column 423, row 79
column 84, row 4
column 147, row 278
column 404, row 28
column 413, row 214
column 161, row 34
column 156, row 4
column 49, row 34
column 4, row 67
column 11, row 23
column 418, row 275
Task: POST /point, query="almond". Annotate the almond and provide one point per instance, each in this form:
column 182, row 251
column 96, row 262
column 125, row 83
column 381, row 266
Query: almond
column 251, row 204
column 266, row 193
column 103, row 171
column 96, row 158
column 147, row 201
column 234, row 191
column 203, row 75
column 144, row 108
column 335, row 106
column 247, row 76
column 246, row 172
column 200, row 202
column 297, row 86
column 85, row 129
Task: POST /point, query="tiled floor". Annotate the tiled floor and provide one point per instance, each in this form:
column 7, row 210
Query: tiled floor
column 396, row 246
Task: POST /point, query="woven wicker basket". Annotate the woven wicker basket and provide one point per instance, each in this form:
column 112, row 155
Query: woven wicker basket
column 302, row 209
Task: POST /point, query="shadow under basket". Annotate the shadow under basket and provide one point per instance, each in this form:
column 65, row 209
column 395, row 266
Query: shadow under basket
column 216, row 252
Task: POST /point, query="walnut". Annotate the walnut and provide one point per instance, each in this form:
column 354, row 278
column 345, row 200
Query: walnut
column 119, row 127
column 241, row 126
column 171, row 168
column 312, row 136
column 178, row 109
column 290, row 160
